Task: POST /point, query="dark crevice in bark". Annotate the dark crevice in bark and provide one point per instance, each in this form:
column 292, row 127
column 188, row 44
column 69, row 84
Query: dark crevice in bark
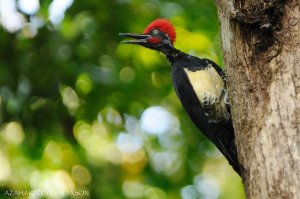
column 259, row 25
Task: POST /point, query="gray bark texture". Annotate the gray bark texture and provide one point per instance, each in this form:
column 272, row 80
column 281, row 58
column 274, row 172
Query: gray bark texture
column 261, row 47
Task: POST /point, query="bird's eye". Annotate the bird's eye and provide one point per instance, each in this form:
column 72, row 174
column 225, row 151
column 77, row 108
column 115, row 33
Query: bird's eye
column 155, row 31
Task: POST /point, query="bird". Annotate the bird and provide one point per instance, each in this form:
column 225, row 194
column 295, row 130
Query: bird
column 200, row 85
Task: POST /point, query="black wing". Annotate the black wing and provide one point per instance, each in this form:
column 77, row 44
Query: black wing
column 221, row 133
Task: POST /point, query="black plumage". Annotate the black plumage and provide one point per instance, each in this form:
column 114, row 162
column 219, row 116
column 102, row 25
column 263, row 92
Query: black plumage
column 200, row 86
column 220, row 133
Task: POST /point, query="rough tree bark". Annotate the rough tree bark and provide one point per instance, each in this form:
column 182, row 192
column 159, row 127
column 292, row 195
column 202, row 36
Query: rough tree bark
column 261, row 46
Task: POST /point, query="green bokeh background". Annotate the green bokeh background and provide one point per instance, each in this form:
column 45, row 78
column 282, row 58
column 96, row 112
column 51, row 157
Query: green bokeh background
column 73, row 98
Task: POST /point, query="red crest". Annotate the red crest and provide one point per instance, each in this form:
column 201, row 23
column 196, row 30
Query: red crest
column 164, row 26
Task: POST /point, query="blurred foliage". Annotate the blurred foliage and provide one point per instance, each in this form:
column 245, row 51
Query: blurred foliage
column 83, row 116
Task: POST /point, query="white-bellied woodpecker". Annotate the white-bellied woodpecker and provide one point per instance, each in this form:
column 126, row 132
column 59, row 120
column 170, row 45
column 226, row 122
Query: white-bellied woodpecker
column 199, row 84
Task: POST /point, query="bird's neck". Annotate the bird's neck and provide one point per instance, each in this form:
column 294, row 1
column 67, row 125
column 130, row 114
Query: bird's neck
column 171, row 53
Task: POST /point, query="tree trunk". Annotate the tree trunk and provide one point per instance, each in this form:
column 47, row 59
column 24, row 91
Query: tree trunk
column 261, row 46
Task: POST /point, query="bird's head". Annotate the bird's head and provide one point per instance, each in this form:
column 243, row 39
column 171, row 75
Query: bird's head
column 158, row 34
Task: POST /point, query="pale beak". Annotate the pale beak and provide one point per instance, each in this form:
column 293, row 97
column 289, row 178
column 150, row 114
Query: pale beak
column 137, row 38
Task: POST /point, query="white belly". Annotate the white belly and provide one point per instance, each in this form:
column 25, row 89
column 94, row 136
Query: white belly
column 208, row 86
column 206, row 82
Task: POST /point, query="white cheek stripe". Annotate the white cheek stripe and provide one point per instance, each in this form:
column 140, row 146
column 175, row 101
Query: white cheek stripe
column 205, row 82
